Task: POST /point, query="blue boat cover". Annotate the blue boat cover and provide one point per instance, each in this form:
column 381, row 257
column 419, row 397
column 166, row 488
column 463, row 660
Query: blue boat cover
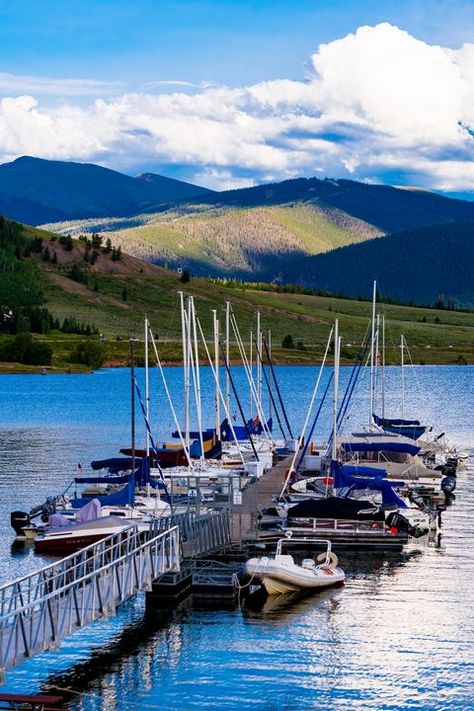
column 114, row 464
column 380, row 445
column 356, row 470
column 408, row 428
column 389, row 421
column 102, row 479
column 124, row 497
column 142, row 476
column 345, row 480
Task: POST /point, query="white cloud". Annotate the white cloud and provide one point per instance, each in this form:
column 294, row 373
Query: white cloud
column 379, row 103
column 23, row 84
column 221, row 180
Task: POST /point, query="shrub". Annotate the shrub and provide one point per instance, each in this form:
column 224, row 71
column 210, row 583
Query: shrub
column 23, row 349
column 185, row 277
column 287, row 342
column 90, row 353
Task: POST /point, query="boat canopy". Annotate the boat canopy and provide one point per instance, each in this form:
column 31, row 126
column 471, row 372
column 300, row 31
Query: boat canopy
column 142, row 475
column 356, row 470
column 114, row 464
column 124, row 497
column 408, row 428
column 344, row 479
column 389, row 421
column 102, row 479
column 387, row 443
column 337, row 507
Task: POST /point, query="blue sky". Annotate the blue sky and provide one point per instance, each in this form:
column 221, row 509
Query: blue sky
column 87, row 80
column 231, row 42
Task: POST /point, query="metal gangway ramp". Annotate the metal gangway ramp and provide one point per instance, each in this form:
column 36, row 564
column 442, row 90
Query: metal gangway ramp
column 39, row 610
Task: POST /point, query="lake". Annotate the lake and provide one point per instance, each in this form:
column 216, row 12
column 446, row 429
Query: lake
column 399, row 635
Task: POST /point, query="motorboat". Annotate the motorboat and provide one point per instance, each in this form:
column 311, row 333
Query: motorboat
column 281, row 574
column 72, row 537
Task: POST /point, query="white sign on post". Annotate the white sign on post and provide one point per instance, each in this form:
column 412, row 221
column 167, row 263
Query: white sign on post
column 237, row 499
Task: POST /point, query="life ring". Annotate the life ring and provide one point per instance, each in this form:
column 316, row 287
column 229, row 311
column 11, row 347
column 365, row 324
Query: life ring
column 333, row 559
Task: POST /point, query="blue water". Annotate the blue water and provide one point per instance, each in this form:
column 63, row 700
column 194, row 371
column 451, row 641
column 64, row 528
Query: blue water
column 399, row 635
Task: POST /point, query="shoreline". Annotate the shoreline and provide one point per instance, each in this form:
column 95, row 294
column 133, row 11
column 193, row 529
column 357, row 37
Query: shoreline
column 74, row 369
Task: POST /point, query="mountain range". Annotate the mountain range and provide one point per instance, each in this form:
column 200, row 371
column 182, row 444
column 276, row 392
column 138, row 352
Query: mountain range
column 34, row 191
column 324, row 234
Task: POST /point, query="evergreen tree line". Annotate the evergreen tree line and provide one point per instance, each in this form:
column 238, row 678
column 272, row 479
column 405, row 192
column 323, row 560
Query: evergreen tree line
column 37, row 319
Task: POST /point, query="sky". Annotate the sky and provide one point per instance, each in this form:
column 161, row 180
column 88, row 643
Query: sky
column 231, row 93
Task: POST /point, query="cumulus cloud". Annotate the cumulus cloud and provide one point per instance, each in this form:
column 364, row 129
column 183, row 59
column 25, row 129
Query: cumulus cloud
column 378, row 103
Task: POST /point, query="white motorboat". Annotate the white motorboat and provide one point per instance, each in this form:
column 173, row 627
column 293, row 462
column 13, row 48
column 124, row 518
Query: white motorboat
column 280, row 574
column 73, row 537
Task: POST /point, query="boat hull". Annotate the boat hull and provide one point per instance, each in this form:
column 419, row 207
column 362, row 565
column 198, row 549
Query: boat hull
column 278, row 579
column 71, row 544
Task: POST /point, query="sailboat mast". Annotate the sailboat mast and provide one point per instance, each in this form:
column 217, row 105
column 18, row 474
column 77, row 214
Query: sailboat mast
column 402, row 357
column 259, row 358
column 184, row 346
column 251, row 371
column 197, row 376
column 270, row 382
column 187, row 369
column 377, row 359
column 336, row 388
column 216, row 360
column 147, row 389
column 132, row 402
column 372, row 358
column 383, row 365
column 227, row 347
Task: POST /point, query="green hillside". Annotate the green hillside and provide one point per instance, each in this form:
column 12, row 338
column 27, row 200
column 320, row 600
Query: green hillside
column 234, row 241
column 110, row 294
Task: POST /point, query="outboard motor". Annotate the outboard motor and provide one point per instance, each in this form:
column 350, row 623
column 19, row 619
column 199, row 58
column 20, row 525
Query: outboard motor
column 417, row 499
column 396, row 520
column 404, row 526
column 448, row 484
column 19, row 519
column 452, row 462
column 418, row 531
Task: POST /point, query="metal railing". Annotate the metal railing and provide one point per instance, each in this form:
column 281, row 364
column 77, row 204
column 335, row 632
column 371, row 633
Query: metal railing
column 338, row 524
column 198, row 534
column 39, row 610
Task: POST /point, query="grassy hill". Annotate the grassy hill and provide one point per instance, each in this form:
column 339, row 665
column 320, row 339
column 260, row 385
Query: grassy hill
column 242, row 242
column 36, row 191
column 265, row 232
column 114, row 295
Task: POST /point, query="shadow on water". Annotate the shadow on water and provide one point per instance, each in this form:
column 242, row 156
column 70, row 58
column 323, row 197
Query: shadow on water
column 140, row 645
column 260, row 605
column 133, row 650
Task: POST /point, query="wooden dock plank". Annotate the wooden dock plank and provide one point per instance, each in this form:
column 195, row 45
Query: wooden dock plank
column 259, row 494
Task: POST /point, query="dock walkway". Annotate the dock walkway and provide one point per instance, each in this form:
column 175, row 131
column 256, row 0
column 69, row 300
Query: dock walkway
column 38, row 611
column 257, row 496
